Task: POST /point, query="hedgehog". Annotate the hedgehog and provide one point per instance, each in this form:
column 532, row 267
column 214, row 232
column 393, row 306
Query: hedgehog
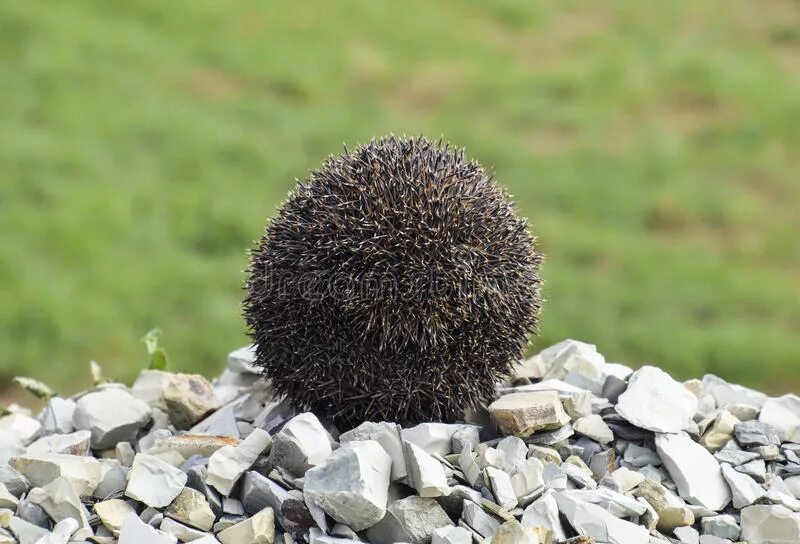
column 396, row 283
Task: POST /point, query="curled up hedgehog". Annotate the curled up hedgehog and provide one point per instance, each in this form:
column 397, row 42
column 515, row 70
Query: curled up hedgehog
column 396, row 283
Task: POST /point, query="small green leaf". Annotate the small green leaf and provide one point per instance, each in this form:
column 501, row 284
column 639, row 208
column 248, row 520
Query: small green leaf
column 35, row 387
column 4, row 411
column 158, row 357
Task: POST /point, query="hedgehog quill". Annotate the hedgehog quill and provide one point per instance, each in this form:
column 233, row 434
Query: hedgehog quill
column 396, row 283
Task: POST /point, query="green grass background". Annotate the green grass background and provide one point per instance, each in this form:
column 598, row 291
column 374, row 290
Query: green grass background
column 654, row 148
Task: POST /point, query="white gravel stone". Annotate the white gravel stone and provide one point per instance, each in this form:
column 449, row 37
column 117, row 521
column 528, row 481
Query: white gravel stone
column 76, row 443
column 189, row 398
column 783, row 413
column 434, row 438
column 149, row 387
column 259, row 529
column 744, row 489
column 503, row 491
column 594, row 427
column 183, row 533
column 112, row 513
column 21, row 427
column 83, row 472
column 511, row 532
column 770, row 524
column 351, row 486
column 154, row 482
column 228, row 463
column 694, row 470
column 656, row 402
column 388, row 436
column 522, row 414
column 57, row 415
column 243, row 360
column 192, row 508
column 591, row 520
column 543, row 512
column 412, row 520
column 60, row 500
column 301, row 444
column 112, row 415
column 687, row 535
column 529, row 478
column 135, row 531
column 451, row 534
column 425, row 473
column 61, row 533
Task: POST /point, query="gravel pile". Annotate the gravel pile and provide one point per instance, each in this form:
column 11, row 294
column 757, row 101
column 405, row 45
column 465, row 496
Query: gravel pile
column 573, row 450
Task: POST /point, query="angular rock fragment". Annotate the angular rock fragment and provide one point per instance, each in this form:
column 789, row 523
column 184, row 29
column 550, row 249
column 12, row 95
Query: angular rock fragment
column 744, row 489
column 522, row 414
column 351, row 485
column 291, row 513
column 135, row 531
column 756, row 433
column 591, row 520
column 76, row 443
column 188, row 398
column 301, row 444
column 57, row 416
column 544, row 513
column 783, row 413
column 425, row 473
column 770, row 524
column 153, row 481
column 694, row 470
column 228, row 463
column 388, row 436
column 511, row 532
column 672, row 511
column 451, row 534
column 594, row 427
column 723, row 526
column 111, row 415
column 192, row 508
column 83, row 472
column 656, row 402
column 112, row 513
column 23, row 428
column 412, row 520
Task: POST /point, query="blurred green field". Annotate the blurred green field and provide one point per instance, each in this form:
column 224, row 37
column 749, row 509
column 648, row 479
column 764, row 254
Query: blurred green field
column 653, row 147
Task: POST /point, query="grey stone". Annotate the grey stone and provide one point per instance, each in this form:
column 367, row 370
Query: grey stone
column 770, row 524
column 303, row 443
column 522, row 414
column 412, row 520
column 154, row 482
column 451, row 534
column 291, row 513
column 83, row 472
column 243, row 360
column 687, row 535
column 550, row 438
column 388, row 436
column 135, row 531
column 544, row 513
column 220, row 423
column 196, row 479
column 465, row 437
column 113, row 480
column 734, row 457
column 22, row 427
column 503, row 491
column 756, row 469
column 591, row 520
column 594, row 427
column 694, row 470
column 656, row 402
column 723, row 526
column 756, row 433
column 15, row 483
column 111, row 415
column 26, row 533
column 228, row 463
column 60, row 500
column 259, row 529
column 425, row 473
column 183, row 533
column 189, row 398
column 76, row 443
column 192, row 508
column 783, row 413
column 639, row 456
column 744, row 489
column 475, row 517
column 434, row 438
column 57, row 415
column 62, row 532
column 351, row 486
